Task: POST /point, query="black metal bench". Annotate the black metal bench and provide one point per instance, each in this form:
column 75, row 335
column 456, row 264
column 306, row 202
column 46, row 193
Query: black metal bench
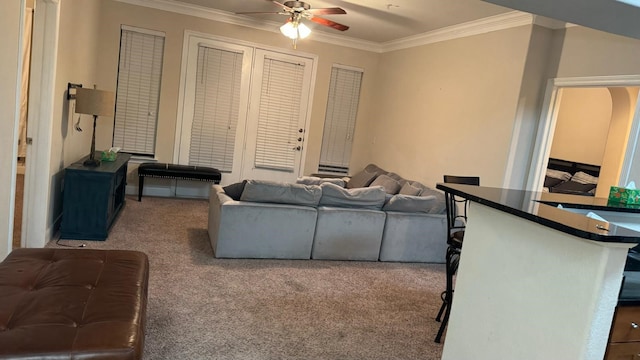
column 178, row 172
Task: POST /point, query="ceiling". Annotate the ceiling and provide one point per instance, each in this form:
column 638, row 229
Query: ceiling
column 388, row 23
column 377, row 21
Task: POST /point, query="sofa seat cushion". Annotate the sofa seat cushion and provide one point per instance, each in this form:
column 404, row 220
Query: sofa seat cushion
column 281, row 193
column 348, row 234
column 364, row 198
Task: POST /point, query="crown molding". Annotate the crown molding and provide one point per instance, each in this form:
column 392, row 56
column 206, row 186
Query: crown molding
column 476, row 27
column 493, row 23
column 230, row 18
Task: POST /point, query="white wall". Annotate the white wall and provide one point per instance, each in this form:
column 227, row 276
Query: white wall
column 10, row 25
column 449, row 107
column 78, row 51
column 582, row 126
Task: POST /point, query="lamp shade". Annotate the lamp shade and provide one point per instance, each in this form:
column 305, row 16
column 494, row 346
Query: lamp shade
column 94, row 102
column 295, row 30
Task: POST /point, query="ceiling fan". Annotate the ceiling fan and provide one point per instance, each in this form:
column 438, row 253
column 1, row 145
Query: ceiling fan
column 299, row 10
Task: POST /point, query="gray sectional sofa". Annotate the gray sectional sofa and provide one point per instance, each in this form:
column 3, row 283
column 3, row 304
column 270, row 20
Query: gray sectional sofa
column 376, row 216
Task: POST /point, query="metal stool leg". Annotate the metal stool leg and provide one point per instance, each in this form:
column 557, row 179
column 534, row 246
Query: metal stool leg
column 452, row 260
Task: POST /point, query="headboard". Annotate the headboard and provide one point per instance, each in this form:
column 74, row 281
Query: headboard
column 573, row 167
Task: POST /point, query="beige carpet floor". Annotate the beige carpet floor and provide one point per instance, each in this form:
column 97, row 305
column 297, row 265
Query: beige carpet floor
column 201, row 307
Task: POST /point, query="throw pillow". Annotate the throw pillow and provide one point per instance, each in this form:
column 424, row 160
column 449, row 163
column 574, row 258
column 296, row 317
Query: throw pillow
column 281, row 193
column 391, row 186
column 373, row 168
column 235, row 190
column 361, row 179
column 408, row 189
column 365, row 198
column 409, row 203
column 440, row 207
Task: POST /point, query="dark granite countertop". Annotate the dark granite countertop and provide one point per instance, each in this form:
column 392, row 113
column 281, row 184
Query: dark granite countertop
column 543, row 208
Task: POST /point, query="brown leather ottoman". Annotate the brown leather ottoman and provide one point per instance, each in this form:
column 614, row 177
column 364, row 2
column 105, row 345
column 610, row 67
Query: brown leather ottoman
column 73, row 304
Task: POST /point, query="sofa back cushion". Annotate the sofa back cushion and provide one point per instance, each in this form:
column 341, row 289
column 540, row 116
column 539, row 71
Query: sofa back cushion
column 281, row 193
column 314, row 180
column 364, row 198
column 411, row 203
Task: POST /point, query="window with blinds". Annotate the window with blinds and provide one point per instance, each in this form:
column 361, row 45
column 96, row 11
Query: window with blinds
column 281, row 89
column 216, row 107
column 340, row 120
column 138, row 90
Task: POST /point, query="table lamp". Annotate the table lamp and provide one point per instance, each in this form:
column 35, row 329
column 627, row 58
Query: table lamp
column 97, row 103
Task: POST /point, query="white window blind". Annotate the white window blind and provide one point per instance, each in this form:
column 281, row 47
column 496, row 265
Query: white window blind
column 279, row 113
column 340, row 119
column 138, row 91
column 216, row 107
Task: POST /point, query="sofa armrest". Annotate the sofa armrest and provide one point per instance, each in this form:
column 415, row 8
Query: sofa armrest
column 218, row 196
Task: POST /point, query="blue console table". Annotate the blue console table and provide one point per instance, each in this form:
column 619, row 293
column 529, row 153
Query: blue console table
column 92, row 198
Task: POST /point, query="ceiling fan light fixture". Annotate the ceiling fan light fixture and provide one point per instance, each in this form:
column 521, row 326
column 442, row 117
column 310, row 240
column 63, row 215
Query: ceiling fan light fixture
column 295, row 30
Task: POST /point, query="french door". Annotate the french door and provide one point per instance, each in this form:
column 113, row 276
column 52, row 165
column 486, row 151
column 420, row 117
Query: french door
column 244, row 110
column 276, row 124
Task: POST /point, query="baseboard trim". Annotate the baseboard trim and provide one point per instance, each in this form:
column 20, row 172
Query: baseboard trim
column 189, row 192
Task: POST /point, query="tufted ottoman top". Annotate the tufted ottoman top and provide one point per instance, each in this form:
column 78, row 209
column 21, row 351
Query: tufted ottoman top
column 73, row 304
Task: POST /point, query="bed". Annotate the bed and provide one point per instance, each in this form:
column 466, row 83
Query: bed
column 570, row 177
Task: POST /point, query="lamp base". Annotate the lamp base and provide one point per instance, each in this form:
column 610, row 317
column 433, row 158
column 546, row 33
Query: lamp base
column 91, row 162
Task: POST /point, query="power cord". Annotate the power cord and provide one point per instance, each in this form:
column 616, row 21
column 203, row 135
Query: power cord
column 67, row 245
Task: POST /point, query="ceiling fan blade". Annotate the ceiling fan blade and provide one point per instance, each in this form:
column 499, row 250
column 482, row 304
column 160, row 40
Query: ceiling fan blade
column 259, row 12
column 327, row 22
column 327, row 11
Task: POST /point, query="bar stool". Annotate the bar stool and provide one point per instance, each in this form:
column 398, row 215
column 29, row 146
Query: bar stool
column 456, row 223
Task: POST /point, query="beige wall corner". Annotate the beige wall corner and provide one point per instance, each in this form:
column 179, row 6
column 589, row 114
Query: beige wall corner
column 449, row 107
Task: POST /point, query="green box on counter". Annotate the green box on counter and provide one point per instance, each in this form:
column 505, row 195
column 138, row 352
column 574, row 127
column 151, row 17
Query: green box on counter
column 624, row 196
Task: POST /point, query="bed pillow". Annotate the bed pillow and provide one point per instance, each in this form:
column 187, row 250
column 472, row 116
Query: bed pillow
column 281, row 193
column 410, row 203
column 364, row 198
column 390, row 185
column 573, row 187
column 584, row 178
column 557, row 174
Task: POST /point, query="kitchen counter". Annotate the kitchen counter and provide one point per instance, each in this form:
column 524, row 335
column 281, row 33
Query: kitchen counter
column 538, row 279
column 542, row 208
